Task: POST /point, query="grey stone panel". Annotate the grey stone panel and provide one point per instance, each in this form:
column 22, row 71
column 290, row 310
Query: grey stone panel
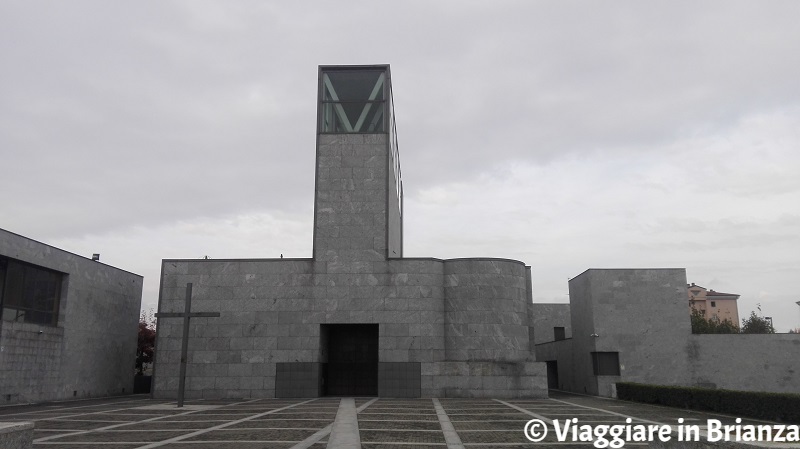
column 350, row 210
column 486, row 311
column 484, row 379
column 399, row 379
column 297, row 380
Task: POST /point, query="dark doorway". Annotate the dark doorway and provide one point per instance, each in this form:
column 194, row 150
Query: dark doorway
column 552, row 374
column 351, row 365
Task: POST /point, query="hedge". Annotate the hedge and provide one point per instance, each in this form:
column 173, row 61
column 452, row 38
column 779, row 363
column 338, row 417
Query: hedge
column 782, row 407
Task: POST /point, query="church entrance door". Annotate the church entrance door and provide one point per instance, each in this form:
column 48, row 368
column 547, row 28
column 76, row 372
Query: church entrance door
column 352, row 359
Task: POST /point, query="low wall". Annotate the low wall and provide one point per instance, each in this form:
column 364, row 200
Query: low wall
column 746, row 362
column 483, row 379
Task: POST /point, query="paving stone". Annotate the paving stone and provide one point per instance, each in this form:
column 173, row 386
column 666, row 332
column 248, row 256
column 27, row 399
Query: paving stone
column 401, row 446
column 282, row 424
column 69, row 425
column 218, row 445
column 512, row 425
column 401, row 436
column 106, row 417
column 487, row 417
column 120, row 436
column 390, row 416
column 254, row 435
column 499, row 436
column 399, row 425
column 173, row 425
column 90, row 446
column 214, row 417
column 330, row 416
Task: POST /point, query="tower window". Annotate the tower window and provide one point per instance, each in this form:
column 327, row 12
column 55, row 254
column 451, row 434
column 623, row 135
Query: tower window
column 352, row 100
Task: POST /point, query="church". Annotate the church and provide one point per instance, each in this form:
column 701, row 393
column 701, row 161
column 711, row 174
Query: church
column 357, row 318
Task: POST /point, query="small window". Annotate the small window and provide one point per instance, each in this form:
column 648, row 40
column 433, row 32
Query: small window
column 713, row 304
column 605, row 363
column 559, row 333
column 29, row 293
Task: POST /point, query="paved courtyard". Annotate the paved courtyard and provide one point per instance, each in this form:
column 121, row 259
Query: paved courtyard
column 137, row 422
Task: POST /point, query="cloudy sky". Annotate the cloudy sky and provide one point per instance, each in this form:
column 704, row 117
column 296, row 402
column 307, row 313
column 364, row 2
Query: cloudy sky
column 568, row 135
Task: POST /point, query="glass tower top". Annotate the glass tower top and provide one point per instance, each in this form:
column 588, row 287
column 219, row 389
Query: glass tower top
column 353, row 99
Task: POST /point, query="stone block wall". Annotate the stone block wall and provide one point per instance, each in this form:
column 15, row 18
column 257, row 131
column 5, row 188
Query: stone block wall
column 91, row 352
column 412, row 322
column 350, row 213
column 298, row 380
column 466, row 379
column 235, row 354
column 30, row 361
column 747, row 362
column 547, row 316
column 486, row 310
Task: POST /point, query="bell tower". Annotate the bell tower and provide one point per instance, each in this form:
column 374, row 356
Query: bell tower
column 358, row 197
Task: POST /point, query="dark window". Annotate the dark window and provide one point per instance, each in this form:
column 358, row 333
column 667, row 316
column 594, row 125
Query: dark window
column 559, row 333
column 29, row 293
column 605, row 363
column 713, row 304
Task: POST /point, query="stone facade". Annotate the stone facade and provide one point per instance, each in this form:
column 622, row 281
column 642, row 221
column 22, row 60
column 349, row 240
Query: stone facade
column 91, row 350
column 444, row 327
column 464, row 333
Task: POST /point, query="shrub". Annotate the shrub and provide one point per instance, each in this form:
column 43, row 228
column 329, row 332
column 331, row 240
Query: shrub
column 784, row 407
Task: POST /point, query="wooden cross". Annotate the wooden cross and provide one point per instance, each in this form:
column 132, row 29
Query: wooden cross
column 186, row 315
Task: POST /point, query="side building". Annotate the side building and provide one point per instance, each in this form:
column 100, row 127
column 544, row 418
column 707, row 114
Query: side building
column 357, row 318
column 69, row 324
column 631, row 325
